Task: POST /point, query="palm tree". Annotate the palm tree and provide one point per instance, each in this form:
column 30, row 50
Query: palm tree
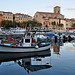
column 23, row 24
column 39, row 25
column 60, row 25
column 53, row 23
column 14, row 23
column 73, row 25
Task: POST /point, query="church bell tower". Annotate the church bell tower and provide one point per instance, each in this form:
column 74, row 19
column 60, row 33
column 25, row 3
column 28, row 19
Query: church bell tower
column 57, row 9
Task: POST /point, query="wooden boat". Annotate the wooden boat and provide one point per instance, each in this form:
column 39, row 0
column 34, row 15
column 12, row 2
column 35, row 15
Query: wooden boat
column 25, row 45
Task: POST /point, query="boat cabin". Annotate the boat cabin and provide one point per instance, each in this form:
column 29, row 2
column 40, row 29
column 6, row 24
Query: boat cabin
column 27, row 40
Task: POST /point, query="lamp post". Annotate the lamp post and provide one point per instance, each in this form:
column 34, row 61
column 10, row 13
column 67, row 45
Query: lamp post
column 59, row 25
column 59, row 22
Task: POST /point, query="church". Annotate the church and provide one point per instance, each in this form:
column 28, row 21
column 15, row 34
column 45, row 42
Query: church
column 51, row 20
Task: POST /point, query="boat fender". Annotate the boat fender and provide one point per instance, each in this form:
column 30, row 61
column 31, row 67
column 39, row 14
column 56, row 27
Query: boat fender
column 14, row 46
column 36, row 46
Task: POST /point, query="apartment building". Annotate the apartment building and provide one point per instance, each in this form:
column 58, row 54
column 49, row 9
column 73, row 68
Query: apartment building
column 8, row 16
column 69, row 22
column 1, row 18
column 22, row 17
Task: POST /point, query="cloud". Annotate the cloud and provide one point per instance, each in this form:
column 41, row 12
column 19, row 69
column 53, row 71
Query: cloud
column 49, row 6
column 53, row 5
column 70, row 8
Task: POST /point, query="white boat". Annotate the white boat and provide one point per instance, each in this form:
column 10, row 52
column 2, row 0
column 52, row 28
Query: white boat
column 20, row 49
column 17, row 30
column 24, row 46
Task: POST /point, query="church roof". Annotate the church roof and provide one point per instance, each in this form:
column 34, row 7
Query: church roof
column 57, row 6
column 73, row 20
column 48, row 13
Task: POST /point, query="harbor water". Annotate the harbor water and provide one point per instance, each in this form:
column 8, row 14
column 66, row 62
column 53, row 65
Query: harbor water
column 59, row 60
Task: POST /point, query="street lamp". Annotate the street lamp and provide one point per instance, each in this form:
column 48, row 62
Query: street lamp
column 59, row 22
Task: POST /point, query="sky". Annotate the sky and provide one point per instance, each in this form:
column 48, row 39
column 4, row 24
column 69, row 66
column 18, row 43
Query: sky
column 30, row 7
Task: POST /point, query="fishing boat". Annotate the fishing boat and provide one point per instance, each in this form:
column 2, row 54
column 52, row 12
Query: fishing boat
column 24, row 45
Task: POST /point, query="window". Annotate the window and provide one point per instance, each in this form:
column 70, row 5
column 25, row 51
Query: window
column 25, row 16
column 36, row 16
column 49, row 23
column 1, row 18
column 22, row 16
column 66, row 24
column 17, row 16
column 27, row 40
column 58, row 11
column 3, row 13
column 7, row 14
column 43, row 22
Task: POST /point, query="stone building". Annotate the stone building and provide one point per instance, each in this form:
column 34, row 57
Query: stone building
column 46, row 18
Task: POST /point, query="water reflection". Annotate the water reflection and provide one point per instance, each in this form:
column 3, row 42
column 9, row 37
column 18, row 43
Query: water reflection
column 38, row 61
column 56, row 46
column 42, row 60
column 34, row 64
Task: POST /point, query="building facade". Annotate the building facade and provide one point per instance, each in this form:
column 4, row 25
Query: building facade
column 46, row 18
column 22, row 17
column 7, row 15
column 1, row 18
column 69, row 22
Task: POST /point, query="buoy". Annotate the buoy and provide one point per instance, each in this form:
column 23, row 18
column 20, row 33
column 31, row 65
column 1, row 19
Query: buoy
column 14, row 46
column 36, row 46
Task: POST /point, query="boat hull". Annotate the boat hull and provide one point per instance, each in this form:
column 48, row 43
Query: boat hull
column 8, row 52
column 11, row 49
column 7, row 56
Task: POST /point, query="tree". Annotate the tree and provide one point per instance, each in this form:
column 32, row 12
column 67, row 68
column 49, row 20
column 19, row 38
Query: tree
column 60, row 25
column 73, row 25
column 53, row 23
column 32, row 23
column 39, row 25
column 14, row 24
column 7, row 23
column 3, row 23
column 23, row 24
